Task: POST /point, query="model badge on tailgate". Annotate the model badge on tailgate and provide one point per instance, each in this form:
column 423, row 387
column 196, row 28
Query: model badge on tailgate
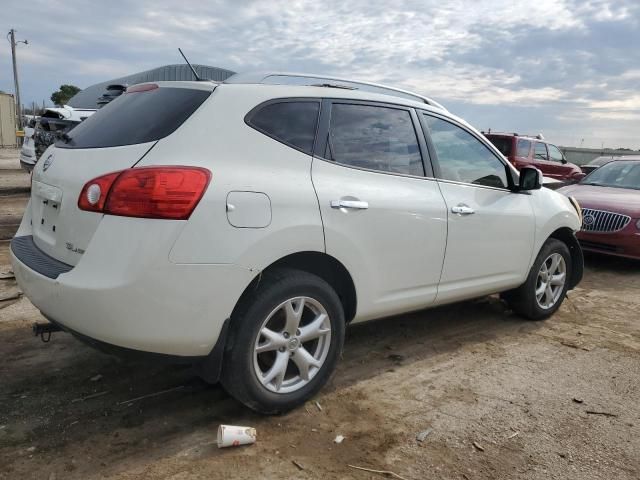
column 74, row 249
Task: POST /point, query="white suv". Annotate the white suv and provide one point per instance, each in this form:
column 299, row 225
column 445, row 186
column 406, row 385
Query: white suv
column 241, row 226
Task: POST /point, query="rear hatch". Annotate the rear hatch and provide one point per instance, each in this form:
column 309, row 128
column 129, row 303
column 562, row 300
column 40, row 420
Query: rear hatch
column 115, row 138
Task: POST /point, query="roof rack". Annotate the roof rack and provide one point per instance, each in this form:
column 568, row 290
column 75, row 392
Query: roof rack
column 539, row 136
column 285, row 78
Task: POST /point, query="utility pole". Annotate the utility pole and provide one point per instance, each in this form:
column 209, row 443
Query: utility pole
column 12, row 35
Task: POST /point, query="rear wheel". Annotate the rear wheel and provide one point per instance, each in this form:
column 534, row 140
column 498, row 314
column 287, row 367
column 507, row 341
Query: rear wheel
column 546, row 285
column 285, row 341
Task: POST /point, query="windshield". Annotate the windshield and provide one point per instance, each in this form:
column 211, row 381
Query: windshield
column 600, row 161
column 620, row 174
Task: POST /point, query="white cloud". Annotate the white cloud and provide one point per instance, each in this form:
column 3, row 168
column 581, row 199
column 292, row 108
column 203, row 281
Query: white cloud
column 437, row 48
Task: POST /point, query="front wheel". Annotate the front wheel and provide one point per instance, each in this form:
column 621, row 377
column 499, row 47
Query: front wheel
column 546, row 285
column 285, row 341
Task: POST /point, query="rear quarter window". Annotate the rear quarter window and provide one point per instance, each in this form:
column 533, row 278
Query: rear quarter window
column 504, row 144
column 136, row 117
column 523, row 148
column 290, row 122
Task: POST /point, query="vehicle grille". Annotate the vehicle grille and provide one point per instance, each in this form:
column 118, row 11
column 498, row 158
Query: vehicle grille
column 602, row 221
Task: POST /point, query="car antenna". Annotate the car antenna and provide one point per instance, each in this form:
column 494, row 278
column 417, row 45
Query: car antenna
column 190, row 66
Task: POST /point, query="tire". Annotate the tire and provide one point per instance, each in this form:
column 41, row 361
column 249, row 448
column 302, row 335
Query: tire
column 252, row 369
column 526, row 300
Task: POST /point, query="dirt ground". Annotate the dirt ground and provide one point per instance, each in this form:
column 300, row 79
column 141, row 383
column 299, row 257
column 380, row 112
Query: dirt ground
column 501, row 397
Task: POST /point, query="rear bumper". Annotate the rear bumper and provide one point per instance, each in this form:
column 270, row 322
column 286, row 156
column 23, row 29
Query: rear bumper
column 124, row 292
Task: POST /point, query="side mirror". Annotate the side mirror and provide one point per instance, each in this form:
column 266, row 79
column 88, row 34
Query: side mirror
column 530, row 179
column 564, row 161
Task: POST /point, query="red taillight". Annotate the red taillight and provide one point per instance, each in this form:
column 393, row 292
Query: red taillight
column 94, row 194
column 147, row 192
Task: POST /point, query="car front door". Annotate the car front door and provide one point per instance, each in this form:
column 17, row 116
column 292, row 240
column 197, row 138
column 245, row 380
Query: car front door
column 561, row 168
column 384, row 217
column 490, row 228
column 541, row 159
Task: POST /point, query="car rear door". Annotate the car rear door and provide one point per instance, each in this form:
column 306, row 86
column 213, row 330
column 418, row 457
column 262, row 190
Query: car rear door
column 490, row 228
column 384, row 217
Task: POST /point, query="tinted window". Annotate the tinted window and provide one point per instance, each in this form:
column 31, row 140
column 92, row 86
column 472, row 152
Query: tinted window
column 601, row 161
column 540, row 152
column 503, row 144
column 554, row 153
column 293, row 123
column 523, row 148
column 462, row 157
column 136, row 117
column 377, row 138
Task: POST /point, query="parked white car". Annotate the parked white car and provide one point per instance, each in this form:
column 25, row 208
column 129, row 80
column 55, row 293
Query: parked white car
column 249, row 222
column 58, row 120
column 28, row 150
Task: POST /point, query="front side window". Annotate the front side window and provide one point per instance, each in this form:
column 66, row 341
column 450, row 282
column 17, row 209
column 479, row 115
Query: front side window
column 540, row 152
column 524, row 146
column 375, row 138
column 292, row 123
column 555, row 154
column 462, row 157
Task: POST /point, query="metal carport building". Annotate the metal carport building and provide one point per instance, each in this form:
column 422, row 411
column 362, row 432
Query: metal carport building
column 88, row 97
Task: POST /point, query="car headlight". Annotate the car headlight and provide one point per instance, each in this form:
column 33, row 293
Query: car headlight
column 638, row 224
column 576, row 205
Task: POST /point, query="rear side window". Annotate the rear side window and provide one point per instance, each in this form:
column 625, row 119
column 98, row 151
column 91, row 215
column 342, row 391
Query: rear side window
column 137, row 117
column 541, row 151
column 292, row 123
column 375, row 138
column 524, row 146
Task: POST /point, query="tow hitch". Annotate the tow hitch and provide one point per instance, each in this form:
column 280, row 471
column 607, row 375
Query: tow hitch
column 44, row 330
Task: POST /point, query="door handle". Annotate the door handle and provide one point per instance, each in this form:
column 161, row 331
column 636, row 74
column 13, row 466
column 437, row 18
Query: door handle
column 463, row 209
column 355, row 204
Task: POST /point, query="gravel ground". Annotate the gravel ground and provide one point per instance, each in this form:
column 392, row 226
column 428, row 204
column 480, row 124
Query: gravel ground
column 499, row 397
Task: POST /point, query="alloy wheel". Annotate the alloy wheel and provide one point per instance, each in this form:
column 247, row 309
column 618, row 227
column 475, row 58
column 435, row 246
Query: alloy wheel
column 550, row 282
column 292, row 344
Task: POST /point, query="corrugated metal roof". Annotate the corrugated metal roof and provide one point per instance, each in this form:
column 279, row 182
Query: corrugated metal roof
column 88, row 97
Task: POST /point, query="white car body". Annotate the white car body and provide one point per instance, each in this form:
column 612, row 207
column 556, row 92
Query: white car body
column 167, row 286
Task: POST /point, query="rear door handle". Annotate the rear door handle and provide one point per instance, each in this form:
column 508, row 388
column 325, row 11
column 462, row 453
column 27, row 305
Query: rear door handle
column 355, row 204
column 463, row 209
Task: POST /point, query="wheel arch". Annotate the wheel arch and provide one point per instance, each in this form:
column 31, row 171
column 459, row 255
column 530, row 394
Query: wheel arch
column 566, row 236
column 321, row 264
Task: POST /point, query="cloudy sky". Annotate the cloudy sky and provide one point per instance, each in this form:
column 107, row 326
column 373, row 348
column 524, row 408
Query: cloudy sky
column 569, row 69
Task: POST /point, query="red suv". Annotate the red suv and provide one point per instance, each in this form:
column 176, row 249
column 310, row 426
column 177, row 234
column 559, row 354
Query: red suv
column 525, row 151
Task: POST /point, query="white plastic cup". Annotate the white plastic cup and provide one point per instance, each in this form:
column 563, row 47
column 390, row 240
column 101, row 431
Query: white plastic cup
column 234, row 435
